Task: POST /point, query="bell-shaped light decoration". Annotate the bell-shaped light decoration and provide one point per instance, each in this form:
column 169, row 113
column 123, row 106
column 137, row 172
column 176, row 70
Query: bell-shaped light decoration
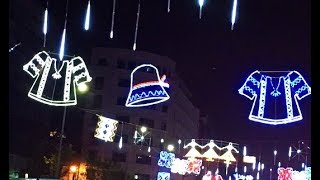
column 87, row 20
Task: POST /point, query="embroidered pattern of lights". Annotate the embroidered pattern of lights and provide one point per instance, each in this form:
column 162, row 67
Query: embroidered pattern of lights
column 285, row 173
column 106, row 129
column 261, row 88
column 43, row 88
column 166, row 159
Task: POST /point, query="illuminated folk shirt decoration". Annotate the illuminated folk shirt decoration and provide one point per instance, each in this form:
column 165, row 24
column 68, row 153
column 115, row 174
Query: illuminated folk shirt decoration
column 211, row 154
column 166, row 159
column 299, row 175
column 148, row 89
column 228, row 156
column 285, row 173
column 275, row 97
column 194, row 166
column 53, row 85
column 106, row 129
column 193, row 152
column 163, row 176
column 179, row 166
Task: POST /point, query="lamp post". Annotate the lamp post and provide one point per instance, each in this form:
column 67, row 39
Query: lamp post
column 82, row 88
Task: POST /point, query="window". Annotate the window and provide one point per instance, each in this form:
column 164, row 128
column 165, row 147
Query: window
column 123, row 118
column 92, row 155
column 121, row 101
column 142, row 159
column 146, row 122
column 119, row 157
column 163, row 126
column 98, row 83
column 164, row 108
column 142, row 176
column 131, row 65
column 97, row 101
column 121, row 64
column 124, row 83
column 102, row 62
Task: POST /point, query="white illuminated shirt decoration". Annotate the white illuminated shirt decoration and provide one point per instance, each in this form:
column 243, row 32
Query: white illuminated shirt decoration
column 163, row 176
column 265, row 90
column 193, row 152
column 44, row 69
column 211, row 154
column 228, row 156
column 299, row 175
column 106, row 129
column 147, row 93
column 179, row 166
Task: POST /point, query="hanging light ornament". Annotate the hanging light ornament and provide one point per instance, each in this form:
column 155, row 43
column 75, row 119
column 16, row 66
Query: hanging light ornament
column 200, row 4
column 168, row 6
column 120, row 141
column 45, row 25
column 234, row 13
column 137, row 23
column 87, row 20
column 112, row 20
column 63, row 39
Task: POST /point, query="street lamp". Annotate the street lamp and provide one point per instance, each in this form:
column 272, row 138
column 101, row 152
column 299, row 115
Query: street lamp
column 73, row 169
column 143, row 129
column 170, row 147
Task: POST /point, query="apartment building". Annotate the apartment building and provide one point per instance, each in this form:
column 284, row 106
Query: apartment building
column 166, row 122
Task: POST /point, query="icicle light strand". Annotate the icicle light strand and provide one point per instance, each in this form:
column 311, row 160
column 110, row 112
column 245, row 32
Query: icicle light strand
column 112, row 20
column 87, row 21
column 136, row 32
column 63, row 39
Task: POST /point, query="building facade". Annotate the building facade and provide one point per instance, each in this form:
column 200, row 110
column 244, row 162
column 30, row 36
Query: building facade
column 166, row 122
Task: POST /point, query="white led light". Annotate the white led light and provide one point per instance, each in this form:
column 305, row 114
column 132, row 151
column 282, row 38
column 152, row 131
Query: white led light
column 87, row 21
column 45, row 22
column 120, row 143
column 234, row 13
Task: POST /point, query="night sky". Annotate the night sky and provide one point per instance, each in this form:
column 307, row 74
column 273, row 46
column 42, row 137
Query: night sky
column 212, row 60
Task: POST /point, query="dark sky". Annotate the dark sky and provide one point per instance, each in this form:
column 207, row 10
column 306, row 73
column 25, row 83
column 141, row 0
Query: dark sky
column 212, row 60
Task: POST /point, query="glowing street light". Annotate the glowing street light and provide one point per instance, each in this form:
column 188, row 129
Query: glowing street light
column 170, row 147
column 73, row 168
column 162, row 140
column 83, row 87
column 143, row 129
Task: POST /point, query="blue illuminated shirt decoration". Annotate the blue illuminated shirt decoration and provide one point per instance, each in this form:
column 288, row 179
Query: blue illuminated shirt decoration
column 275, row 97
column 163, row 176
column 147, row 92
column 166, row 159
